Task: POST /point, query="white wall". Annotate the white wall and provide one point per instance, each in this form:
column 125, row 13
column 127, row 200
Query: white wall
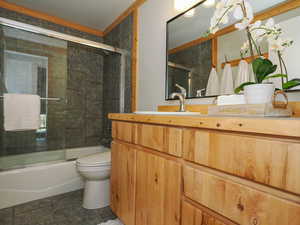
column 152, row 55
column 153, row 17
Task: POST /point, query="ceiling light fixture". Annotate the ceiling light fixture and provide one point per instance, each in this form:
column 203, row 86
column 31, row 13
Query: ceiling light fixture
column 209, row 3
column 182, row 5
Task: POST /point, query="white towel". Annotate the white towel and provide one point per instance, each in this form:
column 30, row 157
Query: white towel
column 21, row 112
column 243, row 74
column 112, row 222
column 213, row 85
column 226, row 85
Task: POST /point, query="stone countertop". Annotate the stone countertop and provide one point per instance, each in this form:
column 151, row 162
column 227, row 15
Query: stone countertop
column 259, row 125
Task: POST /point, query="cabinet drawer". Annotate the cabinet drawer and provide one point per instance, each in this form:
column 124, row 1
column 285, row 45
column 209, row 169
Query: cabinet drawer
column 192, row 215
column 160, row 138
column 124, row 131
column 240, row 203
column 271, row 161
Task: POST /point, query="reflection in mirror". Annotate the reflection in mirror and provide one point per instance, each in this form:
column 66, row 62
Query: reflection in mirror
column 192, row 54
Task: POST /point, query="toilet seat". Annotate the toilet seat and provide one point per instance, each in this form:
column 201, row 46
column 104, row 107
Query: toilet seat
column 95, row 160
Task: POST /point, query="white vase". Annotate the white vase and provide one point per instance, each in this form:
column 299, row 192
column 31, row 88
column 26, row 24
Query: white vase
column 259, row 93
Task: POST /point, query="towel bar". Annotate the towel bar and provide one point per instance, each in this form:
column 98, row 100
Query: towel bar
column 49, row 99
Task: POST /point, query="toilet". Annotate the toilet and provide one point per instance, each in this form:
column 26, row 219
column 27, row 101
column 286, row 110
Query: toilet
column 95, row 169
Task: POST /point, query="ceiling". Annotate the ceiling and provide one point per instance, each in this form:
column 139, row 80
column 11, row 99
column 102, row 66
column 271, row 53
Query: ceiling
column 97, row 14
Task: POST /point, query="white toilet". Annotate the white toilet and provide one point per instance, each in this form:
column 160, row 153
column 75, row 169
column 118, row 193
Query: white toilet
column 95, row 169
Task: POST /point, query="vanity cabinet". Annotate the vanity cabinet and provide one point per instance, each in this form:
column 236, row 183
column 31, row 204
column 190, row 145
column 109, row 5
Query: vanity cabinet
column 158, row 190
column 193, row 174
column 123, row 182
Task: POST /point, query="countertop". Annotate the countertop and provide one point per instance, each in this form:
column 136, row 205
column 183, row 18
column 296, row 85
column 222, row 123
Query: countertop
column 260, row 125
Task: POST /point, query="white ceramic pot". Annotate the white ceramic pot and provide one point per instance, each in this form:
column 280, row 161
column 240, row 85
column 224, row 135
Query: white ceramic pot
column 259, row 93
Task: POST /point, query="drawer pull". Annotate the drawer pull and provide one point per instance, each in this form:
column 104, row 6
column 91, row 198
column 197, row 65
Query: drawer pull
column 156, row 178
column 240, row 206
column 254, row 221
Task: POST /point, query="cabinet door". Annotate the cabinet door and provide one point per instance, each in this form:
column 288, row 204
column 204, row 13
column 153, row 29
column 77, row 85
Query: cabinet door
column 158, row 190
column 123, row 179
column 192, row 215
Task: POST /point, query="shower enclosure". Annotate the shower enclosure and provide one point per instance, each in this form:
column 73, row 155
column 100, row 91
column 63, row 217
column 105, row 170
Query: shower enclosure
column 79, row 82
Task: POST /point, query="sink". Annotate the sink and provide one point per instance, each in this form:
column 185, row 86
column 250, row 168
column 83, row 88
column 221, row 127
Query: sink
column 168, row 113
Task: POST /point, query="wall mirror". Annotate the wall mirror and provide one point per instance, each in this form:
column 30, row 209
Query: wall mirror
column 191, row 54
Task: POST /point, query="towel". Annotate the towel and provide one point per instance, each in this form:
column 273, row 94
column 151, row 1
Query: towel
column 226, row 85
column 213, row 85
column 21, row 112
column 243, row 74
column 112, row 222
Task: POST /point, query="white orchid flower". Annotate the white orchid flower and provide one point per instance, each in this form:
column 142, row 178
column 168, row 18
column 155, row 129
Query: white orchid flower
column 279, row 44
column 243, row 24
column 238, row 12
column 270, row 23
column 276, row 45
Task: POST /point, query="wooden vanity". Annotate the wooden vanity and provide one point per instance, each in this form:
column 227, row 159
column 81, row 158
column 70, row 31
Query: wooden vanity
column 192, row 170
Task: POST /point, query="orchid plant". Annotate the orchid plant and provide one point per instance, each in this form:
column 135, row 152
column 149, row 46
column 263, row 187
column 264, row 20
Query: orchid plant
column 256, row 33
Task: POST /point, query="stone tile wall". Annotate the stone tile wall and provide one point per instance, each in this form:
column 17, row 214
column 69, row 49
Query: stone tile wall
column 84, row 115
column 199, row 58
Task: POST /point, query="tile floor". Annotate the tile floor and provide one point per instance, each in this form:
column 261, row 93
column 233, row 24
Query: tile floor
column 63, row 209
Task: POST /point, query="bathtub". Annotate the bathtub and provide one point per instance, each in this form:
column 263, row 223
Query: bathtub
column 43, row 179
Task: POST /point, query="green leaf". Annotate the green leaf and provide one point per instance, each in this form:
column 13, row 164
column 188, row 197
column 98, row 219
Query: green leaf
column 256, row 63
column 275, row 76
column 262, row 68
column 241, row 87
column 291, row 83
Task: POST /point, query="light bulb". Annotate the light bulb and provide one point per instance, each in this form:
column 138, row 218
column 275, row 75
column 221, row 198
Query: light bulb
column 209, row 3
column 181, row 5
column 190, row 13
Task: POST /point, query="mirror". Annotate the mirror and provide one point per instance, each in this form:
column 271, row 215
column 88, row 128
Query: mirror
column 191, row 54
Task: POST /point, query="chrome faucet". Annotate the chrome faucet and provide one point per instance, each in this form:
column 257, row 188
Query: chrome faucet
column 181, row 101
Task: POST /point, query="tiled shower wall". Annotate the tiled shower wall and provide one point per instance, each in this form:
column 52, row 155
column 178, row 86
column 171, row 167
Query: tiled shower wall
column 84, row 117
column 120, row 37
column 92, row 87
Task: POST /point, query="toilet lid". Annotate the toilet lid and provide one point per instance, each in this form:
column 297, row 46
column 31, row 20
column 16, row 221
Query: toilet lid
column 103, row 158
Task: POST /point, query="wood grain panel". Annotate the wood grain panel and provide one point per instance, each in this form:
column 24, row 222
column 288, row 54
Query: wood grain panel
column 158, row 190
column 214, row 50
column 249, row 59
column 270, row 161
column 192, row 215
column 123, row 182
column 238, row 202
column 203, row 109
column 160, row 138
column 289, row 127
column 134, row 61
column 124, row 131
column 47, row 17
